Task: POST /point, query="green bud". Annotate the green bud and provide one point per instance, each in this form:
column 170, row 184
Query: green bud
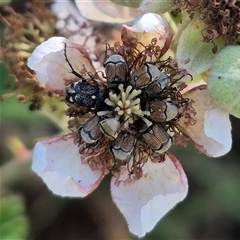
column 224, row 80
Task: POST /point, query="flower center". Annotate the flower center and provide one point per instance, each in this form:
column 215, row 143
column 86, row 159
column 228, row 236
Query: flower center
column 130, row 116
column 126, row 104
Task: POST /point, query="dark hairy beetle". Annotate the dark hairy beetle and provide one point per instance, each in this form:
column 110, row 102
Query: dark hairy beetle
column 85, row 94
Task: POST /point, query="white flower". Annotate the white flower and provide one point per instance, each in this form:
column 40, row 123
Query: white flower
column 67, row 170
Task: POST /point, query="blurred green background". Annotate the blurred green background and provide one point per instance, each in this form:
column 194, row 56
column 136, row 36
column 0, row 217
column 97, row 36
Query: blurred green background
column 30, row 211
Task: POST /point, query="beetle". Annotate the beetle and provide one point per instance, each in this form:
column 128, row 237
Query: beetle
column 155, row 87
column 157, row 138
column 116, row 70
column 144, row 75
column 90, row 131
column 162, row 111
column 85, row 94
column 123, row 146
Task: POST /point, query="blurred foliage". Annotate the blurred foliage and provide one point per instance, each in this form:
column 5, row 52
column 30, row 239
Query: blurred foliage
column 13, row 223
column 2, row 2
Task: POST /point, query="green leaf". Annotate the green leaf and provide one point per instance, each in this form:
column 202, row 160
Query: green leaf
column 2, row 2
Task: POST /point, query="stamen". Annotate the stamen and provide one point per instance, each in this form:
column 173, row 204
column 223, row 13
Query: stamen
column 124, row 96
column 127, row 104
column 113, row 97
column 109, row 102
column 135, row 109
column 120, row 104
column 102, row 113
column 134, row 93
column 135, row 102
column 129, row 111
column 129, row 88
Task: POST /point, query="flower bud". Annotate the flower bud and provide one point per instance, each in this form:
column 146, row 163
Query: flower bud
column 224, row 80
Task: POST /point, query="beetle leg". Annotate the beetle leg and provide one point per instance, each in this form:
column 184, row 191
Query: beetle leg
column 70, row 65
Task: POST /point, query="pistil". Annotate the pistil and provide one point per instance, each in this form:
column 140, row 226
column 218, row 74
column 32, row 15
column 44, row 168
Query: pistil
column 126, row 104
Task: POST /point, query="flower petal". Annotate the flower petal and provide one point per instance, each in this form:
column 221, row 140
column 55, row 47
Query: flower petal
column 145, row 28
column 145, row 201
column 37, row 62
column 211, row 134
column 50, row 65
column 215, row 119
column 57, row 162
column 106, row 11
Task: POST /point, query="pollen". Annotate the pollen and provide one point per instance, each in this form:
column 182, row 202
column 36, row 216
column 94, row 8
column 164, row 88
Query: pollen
column 126, row 103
